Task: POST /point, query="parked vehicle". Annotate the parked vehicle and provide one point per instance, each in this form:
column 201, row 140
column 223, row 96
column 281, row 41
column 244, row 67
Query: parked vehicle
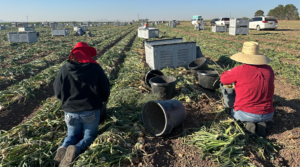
column 196, row 19
column 212, row 22
column 263, row 22
column 223, row 21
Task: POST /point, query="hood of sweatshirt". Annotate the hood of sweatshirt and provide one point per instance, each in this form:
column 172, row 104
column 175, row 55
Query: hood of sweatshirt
column 81, row 72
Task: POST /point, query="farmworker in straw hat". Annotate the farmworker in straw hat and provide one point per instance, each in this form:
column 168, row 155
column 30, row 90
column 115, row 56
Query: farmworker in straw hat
column 82, row 86
column 254, row 88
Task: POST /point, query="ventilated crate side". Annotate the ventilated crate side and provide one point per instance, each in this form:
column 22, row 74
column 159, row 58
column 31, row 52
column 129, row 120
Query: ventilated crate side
column 238, row 30
column 169, row 53
column 153, row 33
column 22, row 29
column 219, row 28
column 236, row 22
column 28, row 37
column 61, row 32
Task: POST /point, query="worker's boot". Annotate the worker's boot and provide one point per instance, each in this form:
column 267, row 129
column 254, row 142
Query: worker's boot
column 59, row 156
column 69, row 156
column 261, row 129
column 250, row 127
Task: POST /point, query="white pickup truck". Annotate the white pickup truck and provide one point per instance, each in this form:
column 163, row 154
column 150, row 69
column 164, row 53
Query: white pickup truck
column 223, row 21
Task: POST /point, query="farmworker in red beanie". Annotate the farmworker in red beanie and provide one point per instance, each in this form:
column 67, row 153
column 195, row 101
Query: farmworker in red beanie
column 82, row 86
column 254, row 88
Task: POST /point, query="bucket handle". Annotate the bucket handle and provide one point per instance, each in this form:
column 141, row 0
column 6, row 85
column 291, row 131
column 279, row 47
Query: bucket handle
column 169, row 128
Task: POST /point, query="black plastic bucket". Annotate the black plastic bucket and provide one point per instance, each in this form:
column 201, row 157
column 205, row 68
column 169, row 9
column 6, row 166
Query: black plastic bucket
column 198, row 64
column 228, row 96
column 164, row 86
column 208, row 79
column 160, row 117
column 150, row 74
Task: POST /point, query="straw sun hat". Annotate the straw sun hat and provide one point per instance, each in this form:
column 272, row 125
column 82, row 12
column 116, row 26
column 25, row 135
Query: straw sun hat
column 250, row 55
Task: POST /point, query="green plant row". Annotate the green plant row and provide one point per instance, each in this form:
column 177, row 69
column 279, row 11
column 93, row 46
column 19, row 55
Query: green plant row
column 215, row 48
column 13, row 56
column 29, row 87
column 8, row 74
column 34, row 143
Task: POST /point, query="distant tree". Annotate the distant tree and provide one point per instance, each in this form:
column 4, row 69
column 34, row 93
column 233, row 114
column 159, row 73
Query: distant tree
column 290, row 10
column 281, row 12
column 245, row 18
column 296, row 16
column 259, row 13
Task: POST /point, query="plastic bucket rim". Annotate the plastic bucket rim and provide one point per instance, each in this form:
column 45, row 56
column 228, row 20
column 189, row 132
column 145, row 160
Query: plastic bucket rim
column 163, row 84
column 194, row 68
column 203, row 72
column 165, row 116
column 147, row 81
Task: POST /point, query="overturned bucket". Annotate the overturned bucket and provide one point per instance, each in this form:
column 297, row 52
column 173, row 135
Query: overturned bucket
column 160, row 117
column 164, row 86
column 228, row 96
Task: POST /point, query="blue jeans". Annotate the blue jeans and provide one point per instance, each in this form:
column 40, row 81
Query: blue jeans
column 249, row 117
column 82, row 129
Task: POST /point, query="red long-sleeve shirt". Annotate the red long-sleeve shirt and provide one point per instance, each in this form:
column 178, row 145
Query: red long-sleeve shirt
column 254, row 88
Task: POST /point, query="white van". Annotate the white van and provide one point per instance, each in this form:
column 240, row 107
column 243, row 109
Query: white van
column 263, row 22
column 196, row 19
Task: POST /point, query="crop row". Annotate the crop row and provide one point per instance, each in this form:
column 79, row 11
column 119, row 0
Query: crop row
column 7, row 75
column 62, row 43
column 221, row 49
column 223, row 37
column 29, row 87
column 36, row 140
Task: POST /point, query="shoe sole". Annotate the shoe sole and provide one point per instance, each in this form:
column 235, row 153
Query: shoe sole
column 59, row 155
column 250, row 127
column 69, row 156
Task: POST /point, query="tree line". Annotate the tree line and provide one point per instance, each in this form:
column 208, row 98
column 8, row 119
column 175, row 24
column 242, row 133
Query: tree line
column 281, row 12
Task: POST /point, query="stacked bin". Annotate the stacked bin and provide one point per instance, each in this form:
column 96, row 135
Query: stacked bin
column 219, row 28
column 169, row 53
column 45, row 23
column 239, row 26
column 14, row 24
column 172, row 24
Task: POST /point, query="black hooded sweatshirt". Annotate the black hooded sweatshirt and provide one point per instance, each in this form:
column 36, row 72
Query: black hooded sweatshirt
column 81, row 87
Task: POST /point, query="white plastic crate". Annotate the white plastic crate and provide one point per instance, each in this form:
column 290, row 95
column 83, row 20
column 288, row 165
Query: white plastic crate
column 2, row 27
column 28, row 37
column 22, row 24
column 237, row 22
column 219, row 28
column 238, row 30
column 60, row 32
column 201, row 27
column 169, row 53
column 45, row 23
column 22, row 29
column 148, row 33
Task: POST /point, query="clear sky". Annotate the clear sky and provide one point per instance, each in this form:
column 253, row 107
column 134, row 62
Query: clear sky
column 127, row 10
